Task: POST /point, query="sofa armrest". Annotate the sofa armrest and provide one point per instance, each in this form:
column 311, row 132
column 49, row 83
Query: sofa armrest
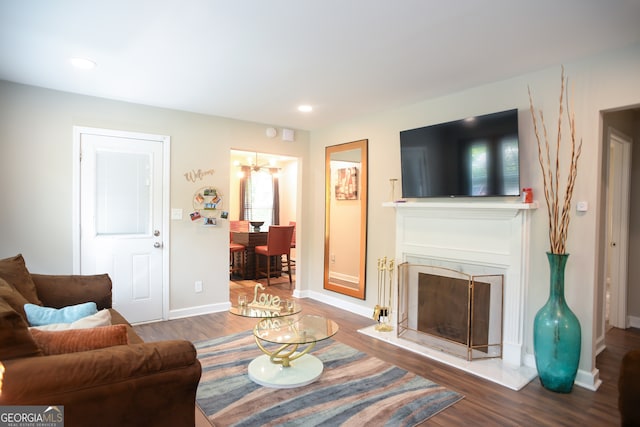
column 629, row 389
column 63, row 290
column 139, row 384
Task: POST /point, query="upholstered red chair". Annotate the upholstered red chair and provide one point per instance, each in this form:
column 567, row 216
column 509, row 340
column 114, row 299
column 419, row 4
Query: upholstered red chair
column 239, row 225
column 292, row 261
column 278, row 245
column 236, row 248
column 293, row 235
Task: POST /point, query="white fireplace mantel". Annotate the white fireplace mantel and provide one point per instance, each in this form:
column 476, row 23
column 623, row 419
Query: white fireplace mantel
column 465, row 206
column 475, row 237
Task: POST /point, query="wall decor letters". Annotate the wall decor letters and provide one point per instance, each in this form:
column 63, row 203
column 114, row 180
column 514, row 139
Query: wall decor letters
column 194, row 175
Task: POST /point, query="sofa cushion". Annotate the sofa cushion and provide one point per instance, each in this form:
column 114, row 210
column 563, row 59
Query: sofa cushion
column 74, row 340
column 38, row 316
column 101, row 318
column 14, row 271
column 62, row 290
column 15, row 339
column 13, row 297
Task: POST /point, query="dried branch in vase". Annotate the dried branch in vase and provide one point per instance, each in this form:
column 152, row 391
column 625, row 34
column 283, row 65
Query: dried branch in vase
column 558, row 219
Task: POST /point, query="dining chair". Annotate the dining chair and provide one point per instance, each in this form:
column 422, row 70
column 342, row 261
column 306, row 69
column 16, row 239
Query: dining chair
column 292, row 260
column 239, row 225
column 236, row 248
column 278, row 245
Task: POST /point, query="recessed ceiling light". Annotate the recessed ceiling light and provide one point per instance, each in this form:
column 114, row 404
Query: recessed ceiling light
column 305, row 108
column 83, row 63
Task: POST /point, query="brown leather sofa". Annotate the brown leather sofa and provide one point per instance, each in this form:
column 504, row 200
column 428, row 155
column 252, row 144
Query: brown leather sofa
column 138, row 384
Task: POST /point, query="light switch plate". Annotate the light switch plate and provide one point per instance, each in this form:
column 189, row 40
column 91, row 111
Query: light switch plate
column 582, row 206
column 176, row 213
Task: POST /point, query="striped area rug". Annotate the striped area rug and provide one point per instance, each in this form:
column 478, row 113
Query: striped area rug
column 355, row 389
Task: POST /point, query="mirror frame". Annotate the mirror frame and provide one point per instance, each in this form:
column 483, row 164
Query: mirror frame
column 359, row 291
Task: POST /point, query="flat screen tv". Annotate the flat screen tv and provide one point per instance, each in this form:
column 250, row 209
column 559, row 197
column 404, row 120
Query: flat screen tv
column 472, row 157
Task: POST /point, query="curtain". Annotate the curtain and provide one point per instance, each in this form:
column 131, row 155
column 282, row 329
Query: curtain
column 245, row 194
column 276, row 197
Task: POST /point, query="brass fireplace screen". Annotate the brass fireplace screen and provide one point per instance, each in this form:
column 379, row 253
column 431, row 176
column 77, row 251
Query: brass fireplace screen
column 451, row 311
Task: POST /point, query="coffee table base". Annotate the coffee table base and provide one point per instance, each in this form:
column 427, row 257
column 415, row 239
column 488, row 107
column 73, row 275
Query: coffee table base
column 302, row 371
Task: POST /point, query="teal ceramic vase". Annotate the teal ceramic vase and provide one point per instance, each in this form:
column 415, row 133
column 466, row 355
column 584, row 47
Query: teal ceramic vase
column 556, row 334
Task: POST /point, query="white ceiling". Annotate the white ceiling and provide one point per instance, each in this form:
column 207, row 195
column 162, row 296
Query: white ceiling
column 257, row 60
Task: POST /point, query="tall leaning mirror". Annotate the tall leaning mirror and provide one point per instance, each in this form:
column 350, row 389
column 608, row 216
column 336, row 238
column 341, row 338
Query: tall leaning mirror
column 345, row 231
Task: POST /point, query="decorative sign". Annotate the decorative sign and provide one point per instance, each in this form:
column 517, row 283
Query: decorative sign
column 194, row 175
column 264, row 300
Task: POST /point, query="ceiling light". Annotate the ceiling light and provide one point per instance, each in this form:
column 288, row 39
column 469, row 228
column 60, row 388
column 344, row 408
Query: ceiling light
column 305, row 108
column 83, row 63
column 255, row 165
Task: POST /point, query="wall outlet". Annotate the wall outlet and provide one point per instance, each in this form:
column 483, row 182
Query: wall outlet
column 199, row 286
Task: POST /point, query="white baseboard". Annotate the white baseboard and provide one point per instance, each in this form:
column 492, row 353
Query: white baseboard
column 339, row 303
column 634, row 322
column 199, row 310
column 589, row 380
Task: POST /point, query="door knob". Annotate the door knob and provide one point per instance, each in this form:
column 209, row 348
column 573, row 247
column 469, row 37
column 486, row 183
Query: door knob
column 156, row 233
column 157, row 245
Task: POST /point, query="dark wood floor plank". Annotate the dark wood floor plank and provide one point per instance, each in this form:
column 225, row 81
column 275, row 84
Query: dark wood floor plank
column 485, row 402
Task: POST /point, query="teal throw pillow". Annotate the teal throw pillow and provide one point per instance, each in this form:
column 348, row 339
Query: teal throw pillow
column 39, row 316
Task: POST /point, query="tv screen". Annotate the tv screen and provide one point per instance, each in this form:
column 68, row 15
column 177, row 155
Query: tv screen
column 472, row 157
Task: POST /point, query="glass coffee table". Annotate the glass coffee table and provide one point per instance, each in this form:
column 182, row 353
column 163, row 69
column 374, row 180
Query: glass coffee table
column 266, row 312
column 289, row 364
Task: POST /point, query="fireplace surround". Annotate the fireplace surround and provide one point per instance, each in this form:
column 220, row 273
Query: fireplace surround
column 476, row 238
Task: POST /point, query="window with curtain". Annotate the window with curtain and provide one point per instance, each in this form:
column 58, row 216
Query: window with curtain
column 259, row 196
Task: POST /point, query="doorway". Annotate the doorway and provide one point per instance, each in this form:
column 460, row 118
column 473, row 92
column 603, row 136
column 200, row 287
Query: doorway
column 617, row 288
column 618, row 193
column 121, row 191
column 286, row 168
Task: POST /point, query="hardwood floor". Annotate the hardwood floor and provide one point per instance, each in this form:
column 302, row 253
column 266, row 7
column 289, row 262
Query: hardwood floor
column 485, row 403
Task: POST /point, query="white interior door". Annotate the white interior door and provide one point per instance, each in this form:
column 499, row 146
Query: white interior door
column 122, row 226
column 618, row 228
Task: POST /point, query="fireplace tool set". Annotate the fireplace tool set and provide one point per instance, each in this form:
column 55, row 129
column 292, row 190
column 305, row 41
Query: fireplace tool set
column 382, row 310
